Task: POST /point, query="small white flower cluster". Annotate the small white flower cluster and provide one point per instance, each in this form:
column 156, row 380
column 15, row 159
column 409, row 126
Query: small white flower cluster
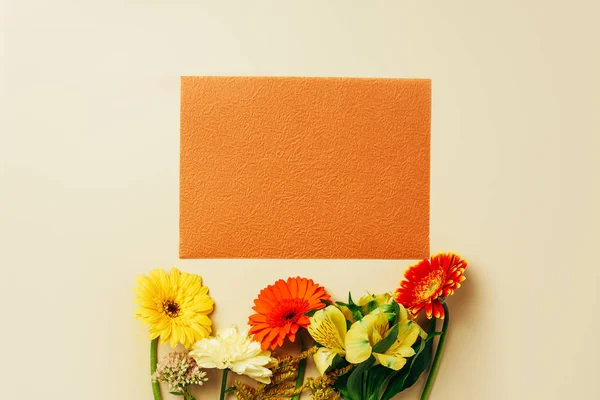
column 179, row 371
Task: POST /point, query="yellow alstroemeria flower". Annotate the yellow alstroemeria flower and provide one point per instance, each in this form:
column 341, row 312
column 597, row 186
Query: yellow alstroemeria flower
column 380, row 299
column 328, row 328
column 371, row 329
column 365, row 303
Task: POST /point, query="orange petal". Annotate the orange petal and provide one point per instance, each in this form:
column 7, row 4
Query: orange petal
column 302, row 286
column 260, row 335
column 293, row 286
column 276, row 292
column 438, row 310
column 311, row 289
column 417, row 308
column 258, row 318
column 283, row 289
column 268, row 341
column 428, row 310
column 294, row 328
column 262, row 307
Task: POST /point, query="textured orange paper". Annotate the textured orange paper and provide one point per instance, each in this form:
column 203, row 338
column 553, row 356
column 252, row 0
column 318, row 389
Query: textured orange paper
column 304, row 167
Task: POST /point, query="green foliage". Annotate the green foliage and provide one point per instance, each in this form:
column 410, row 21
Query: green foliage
column 338, row 363
column 416, row 365
column 387, row 341
column 357, row 312
column 356, row 381
column 371, row 381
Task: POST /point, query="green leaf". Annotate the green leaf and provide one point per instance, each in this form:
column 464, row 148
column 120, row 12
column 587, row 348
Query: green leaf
column 348, row 325
column 387, row 342
column 356, row 379
column 397, row 384
column 341, row 385
column 420, row 364
column 415, row 366
column 396, row 311
column 338, row 362
column 370, row 306
column 354, row 309
column 176, row 393
column 310, row 313
column 350, row 299
column 379, row 377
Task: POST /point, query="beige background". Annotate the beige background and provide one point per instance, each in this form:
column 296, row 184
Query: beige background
column 89, row 168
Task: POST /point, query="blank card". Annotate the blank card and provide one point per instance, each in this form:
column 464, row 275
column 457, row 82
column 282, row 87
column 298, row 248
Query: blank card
column 277, row 167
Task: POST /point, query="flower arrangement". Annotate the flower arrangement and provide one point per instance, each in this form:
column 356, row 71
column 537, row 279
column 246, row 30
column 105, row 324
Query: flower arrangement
column 371, row 349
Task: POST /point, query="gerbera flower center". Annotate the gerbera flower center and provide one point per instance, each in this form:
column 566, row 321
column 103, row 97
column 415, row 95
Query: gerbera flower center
column 290, row 316
column 287, row 311
column 430, row 286
column 171, row 308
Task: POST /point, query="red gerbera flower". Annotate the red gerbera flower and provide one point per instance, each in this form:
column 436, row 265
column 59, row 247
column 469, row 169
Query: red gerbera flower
column 281, row 308
column 430, row 281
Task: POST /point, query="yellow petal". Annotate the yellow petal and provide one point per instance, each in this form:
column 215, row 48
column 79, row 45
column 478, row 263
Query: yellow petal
column 389, row 361
column 358, row 346
column 367, row 298
column 174, row 277
column 383, row 298
column 175, row 337
column 347, row 313
column 328, row 328
column 380, row 327
column 379, row 299
column 408, row 334
column 160, row 277
column 404, row 316
column 402, row 351
column 323, row 359
column 363, row 335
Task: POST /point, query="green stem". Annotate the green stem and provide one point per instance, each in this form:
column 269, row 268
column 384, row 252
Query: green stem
column 153, row 362
column 437, row 360
column 187, row 394
column 301, row 370
column 224, row 384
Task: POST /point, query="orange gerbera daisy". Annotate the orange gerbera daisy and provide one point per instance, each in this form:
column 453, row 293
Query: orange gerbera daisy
column 281, row 308
column 427, row 283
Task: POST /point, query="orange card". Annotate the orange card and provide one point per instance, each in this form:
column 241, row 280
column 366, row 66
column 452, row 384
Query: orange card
column 275, row 167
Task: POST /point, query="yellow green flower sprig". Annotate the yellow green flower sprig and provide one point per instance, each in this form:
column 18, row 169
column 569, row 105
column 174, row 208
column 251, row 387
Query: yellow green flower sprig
column 376, row 340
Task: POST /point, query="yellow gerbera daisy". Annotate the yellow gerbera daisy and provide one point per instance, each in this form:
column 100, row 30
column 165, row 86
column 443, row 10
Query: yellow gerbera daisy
column 176, row 306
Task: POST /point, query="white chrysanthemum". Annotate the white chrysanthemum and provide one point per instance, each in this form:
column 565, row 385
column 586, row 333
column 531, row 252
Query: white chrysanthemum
column 233, row 350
